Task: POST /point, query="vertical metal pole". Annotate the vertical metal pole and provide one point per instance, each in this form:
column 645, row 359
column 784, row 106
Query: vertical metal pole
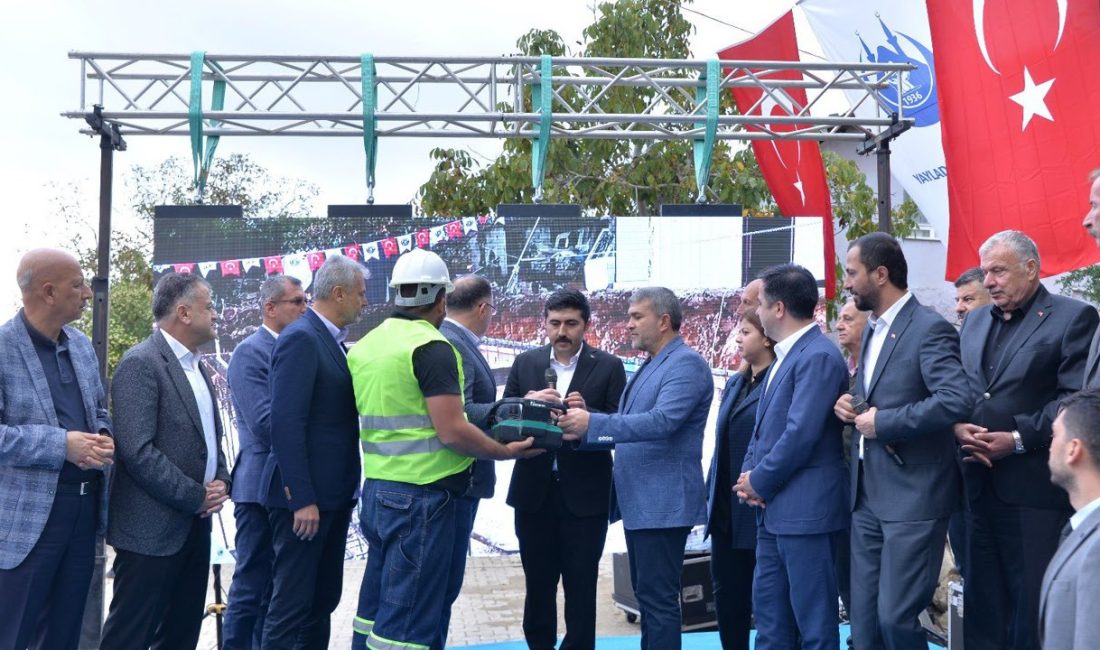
column 882, row 153
column 92, row 628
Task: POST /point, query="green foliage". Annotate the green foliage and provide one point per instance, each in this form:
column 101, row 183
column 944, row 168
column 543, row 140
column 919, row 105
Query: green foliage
column 1083, row 283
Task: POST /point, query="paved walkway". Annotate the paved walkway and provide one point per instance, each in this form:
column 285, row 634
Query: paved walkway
column 489, row 609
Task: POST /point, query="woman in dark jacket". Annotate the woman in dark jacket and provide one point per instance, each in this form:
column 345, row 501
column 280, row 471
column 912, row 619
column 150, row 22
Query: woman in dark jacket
column 730, row 524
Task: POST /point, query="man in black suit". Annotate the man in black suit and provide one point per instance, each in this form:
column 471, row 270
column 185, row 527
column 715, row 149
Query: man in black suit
column 1022, row 355
column 171, row 474
column 561, row 499
column 313, row 467
column 905, row 482
column 469, row 311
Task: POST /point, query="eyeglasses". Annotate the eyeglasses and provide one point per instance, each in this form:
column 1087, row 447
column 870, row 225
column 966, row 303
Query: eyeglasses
column 300, row 300
column 491, row 307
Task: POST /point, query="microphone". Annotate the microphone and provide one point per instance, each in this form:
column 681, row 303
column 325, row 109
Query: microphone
column 860, row 406
column 551, row 378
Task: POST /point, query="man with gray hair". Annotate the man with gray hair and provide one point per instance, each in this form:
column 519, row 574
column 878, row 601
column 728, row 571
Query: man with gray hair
column 1022, row 355
column 282, row 301
column 171, row 474
column 1092, row 226
column 658, row 488
column 313, row 467
column 55, row 445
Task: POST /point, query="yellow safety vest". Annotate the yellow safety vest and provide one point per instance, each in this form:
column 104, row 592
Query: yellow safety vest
column 396, row 434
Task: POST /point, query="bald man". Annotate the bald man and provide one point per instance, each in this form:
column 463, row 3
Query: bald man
column 750, row 296
column 55, row 446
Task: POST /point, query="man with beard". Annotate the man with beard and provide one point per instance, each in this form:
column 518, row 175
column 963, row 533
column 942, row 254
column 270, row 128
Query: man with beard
column 561, row 498
column 1071, row 586
column 909, row 391
column 1022, row 355
column 1092, row 226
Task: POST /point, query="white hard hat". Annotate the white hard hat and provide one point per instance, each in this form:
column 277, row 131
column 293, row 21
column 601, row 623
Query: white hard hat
column 427, row 271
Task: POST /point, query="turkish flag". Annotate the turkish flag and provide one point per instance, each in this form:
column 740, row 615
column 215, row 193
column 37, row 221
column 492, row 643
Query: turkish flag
column 792, row 168
column 188, row 267
column 230, row 267
column 389, row 246
column 454, row 229
column 352, row 252
column 273, row 265
column 1018, row 95
column 423, row 238
column 315, row 259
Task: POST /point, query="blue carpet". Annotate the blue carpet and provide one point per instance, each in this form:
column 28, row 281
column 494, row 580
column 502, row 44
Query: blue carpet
column 692, row 641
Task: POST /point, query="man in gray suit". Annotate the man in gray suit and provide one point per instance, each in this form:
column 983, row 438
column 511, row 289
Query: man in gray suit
column 54, row 446
column 1092, row 225
column 469, row 312
column 1071, row 586
column 908, row 392
column 171, row 474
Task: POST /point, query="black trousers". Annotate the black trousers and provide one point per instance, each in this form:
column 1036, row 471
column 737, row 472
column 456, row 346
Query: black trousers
column 731, row 572
column 1008, row 552
column 553, row 544
column 307, row 580
column 42, row 599
column 159, row 602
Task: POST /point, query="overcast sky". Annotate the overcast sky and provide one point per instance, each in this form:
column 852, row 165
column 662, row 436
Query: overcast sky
column 39, row 81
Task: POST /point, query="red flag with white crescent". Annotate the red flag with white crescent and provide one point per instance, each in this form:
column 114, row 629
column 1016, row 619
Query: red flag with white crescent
column 1018, row 95
column 188, row 267
column 792, row 169
column 230, row 268
column 273, row 265
column 316, row 260
column 389, row 246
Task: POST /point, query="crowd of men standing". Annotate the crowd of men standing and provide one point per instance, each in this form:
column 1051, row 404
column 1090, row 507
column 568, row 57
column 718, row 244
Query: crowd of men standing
column 831, row 476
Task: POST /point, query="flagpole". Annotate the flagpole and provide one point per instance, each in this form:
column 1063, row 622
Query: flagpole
column 880, row 145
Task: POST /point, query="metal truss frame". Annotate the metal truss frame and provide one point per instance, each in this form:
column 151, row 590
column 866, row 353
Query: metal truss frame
column 480, row 97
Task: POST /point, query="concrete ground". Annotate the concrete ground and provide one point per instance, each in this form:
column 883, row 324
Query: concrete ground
column 489, row 609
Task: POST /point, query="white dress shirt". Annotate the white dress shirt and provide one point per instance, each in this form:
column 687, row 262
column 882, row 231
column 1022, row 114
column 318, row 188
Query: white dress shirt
column 782, row 348
column 190, row 364
column 1081, row 515
column 565, row 371
column 270, row 331
column 880, row 329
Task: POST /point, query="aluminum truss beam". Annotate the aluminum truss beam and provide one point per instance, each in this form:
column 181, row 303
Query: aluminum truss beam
column 476, row 97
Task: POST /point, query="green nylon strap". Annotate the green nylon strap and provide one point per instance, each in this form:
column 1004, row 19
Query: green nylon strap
column 544, row 92
column 370, row 105
column 704, row 148
column 201, row 159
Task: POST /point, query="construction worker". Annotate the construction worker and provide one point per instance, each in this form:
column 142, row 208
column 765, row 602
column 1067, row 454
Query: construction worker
column 418, row 450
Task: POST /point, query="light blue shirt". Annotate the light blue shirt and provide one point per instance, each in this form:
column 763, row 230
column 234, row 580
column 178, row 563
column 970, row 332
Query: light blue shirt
column 338, row 333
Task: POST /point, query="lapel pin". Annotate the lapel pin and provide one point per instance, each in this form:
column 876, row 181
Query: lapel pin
column 1040, row 314
column 893, row 336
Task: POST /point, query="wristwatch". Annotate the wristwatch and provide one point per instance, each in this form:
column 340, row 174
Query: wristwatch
column 1019, row 443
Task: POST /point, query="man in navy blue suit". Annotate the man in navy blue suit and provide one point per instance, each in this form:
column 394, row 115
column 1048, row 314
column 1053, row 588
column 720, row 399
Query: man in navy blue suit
column 282, row 301
column 657, row 434
column 313, row 469
column 469, row 312
column 794, row 470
